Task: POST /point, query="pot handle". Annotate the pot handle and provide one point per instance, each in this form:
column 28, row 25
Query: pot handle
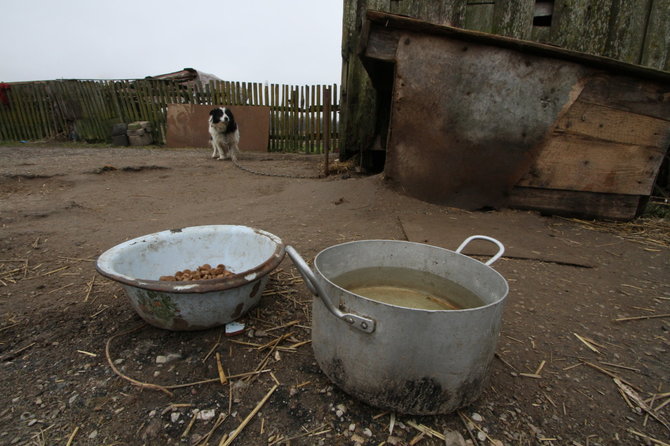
column 360, row 322
column 501, row 248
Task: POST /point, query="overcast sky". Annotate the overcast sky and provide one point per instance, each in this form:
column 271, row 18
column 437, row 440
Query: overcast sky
column 278, row 41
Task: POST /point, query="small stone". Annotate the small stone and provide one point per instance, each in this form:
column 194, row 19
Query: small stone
column 394, row 441
column 476, row 417
column 93, row 435
column 31, row 422
column 481, row 436
column 340, row 410
column 352, row 427
column 453, row 438
column 174, row 416
column 367, row 432
column 164, row 359
column 206, row 414
column 357, row 439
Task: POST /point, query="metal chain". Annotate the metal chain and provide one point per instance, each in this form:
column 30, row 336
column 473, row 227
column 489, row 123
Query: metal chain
column 267, row 174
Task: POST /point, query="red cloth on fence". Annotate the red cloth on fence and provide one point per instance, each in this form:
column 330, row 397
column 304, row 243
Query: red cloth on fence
column 4, row 88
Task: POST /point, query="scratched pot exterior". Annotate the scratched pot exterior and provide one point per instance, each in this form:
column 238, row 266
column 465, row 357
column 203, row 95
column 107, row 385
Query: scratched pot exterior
column 416, row 361
column 251, row 254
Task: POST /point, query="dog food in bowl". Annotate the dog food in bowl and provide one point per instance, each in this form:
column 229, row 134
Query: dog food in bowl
column 204, row 272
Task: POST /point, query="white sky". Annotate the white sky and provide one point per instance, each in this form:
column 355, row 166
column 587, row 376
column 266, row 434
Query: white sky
column 278, row 41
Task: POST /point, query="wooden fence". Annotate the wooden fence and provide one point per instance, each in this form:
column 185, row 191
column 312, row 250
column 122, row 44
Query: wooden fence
column 87, row 110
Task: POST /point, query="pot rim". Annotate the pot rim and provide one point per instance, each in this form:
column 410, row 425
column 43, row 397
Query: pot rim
column 103, row 265
column 464, row 257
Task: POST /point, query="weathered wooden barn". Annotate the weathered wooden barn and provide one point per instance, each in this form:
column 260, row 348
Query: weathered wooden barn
column 479, row 120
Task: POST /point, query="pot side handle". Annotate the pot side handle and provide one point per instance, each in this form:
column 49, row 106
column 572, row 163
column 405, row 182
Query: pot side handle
column 360, row 322
column 501, row 248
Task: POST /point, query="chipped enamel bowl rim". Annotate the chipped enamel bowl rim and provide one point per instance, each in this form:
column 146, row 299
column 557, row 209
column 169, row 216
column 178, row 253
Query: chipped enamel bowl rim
column 169, row 251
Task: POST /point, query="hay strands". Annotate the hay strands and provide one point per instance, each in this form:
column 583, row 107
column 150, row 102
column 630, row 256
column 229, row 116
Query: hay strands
column 214, row 347
column 659, row 396
column 611, row 375
column 639, row 318
column 426, row 430
column 16, row 353
column 275, row 341
column 219, row 366
column 190, row 424
column 89, row 288
column 591, row 344
column 276, row 439
column 535, row 375
column 253, row 413
column 635, row 397
column 72, row 435
column 647, row 437
column 219, row 421
column 259, row 346
column 467, row 422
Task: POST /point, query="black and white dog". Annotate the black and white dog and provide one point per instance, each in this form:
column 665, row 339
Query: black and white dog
column 225, row 134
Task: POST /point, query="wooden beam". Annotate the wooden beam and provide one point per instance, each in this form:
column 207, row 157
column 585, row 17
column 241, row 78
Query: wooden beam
column 656, row 47
column 573, row 162
column 575, row 203
column 385, row 20
column 611, row 124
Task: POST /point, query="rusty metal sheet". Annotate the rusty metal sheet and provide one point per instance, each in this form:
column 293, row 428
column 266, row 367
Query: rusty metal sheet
column 187, row 126
column 468, row 119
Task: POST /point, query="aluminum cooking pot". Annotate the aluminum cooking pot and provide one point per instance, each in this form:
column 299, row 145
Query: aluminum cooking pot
column 409, row 360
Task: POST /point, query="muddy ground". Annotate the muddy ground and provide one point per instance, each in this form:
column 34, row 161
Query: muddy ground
column 567, row 370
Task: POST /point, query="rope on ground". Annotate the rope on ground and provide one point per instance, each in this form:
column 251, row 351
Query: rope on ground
column 166, row 389
column 268, row 174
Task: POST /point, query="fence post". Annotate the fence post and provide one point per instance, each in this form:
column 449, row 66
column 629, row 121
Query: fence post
column 326, row 127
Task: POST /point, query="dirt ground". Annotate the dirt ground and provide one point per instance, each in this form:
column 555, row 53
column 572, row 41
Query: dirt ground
column 566, row 371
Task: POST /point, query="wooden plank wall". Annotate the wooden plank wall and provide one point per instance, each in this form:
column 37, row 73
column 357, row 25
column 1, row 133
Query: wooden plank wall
column 87, row 110
column 604, row 153
column 631, row 31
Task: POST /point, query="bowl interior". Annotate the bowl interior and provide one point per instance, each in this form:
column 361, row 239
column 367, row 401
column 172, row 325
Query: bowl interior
column 239, row 248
